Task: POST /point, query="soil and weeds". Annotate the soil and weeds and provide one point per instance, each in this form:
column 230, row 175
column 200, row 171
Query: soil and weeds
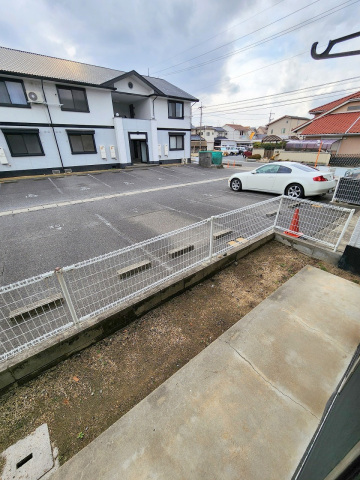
column 85, row 394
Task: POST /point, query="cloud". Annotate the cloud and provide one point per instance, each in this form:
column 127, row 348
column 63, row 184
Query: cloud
column 160, row 34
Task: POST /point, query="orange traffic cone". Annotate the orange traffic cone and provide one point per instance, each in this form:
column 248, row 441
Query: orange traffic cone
column 234, row 162
column 228, row 165
column 294, row 226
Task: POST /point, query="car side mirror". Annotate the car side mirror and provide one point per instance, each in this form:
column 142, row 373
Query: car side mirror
column 254, row 172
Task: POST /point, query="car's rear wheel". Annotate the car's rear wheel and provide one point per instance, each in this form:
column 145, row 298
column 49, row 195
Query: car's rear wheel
column 294, row 190
column 235, row 185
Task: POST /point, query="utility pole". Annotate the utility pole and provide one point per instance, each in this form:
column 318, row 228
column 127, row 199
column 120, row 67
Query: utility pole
column 270, row 119
column 201, row 107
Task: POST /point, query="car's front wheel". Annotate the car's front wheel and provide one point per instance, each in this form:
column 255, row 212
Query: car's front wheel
column 235, row 185
column 294, row 190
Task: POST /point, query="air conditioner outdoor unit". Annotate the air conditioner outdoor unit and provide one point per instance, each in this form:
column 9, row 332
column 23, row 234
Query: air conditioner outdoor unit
column 35, row 96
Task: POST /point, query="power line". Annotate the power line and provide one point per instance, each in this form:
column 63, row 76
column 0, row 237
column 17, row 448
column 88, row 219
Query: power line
column 220, row 33
column 271, row 37
column 239, row 38
column 281, row 103
column 285, row 93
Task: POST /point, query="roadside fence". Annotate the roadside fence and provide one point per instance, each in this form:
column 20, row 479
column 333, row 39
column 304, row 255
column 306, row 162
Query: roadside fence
column 40, row 307
column 348, row 190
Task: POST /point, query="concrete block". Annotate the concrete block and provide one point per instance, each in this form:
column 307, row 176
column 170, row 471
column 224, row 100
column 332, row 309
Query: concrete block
column 133, row 269
column 176, row 252
column 221, row 234
column 31, row 309
column 29, row 458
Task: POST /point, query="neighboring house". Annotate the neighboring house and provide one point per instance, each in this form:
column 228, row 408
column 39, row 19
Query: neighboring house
column 283, row 127
column 239, row 133
column 58, row 114
column 210, row 135
column 338, row 121
column 197, row 143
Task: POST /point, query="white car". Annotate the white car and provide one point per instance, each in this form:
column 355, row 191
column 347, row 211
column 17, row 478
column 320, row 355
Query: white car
column 289, row 178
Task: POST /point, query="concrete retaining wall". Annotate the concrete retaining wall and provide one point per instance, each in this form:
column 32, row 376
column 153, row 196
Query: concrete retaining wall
column 302, row 157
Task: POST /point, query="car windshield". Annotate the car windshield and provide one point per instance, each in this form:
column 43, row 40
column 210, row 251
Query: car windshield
column 305, row 168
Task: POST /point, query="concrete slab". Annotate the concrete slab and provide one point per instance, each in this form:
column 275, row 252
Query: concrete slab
column 248, row 405
column 29, row 458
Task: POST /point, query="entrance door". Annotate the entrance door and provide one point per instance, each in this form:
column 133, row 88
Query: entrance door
column 139, row 151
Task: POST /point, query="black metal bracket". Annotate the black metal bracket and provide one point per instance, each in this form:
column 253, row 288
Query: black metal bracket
column 327, row 54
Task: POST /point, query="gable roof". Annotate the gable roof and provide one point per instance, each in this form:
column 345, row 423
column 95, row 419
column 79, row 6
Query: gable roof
column 335, row 123
column 288, row 116
column 236, row 127
column 17, row 62
column 336, row 103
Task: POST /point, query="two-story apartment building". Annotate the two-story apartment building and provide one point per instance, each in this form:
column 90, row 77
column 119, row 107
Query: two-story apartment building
column 283, row 127
column 61, row 115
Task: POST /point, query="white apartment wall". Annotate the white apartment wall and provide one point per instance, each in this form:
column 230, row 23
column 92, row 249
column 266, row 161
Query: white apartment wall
column 139, row 88
column 143, row 109
column 163, row 139
column 162, row 117
column 49, row 160
column 124, row 126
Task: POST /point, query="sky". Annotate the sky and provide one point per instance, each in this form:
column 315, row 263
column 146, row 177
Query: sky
column 240, row 58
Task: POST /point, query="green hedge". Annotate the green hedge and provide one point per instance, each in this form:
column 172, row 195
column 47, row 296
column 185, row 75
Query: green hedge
column 257, row 156
column 270, row 146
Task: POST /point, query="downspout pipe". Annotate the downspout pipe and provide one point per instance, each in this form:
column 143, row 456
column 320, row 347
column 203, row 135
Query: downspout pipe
column 153, row 107
column 51, row 123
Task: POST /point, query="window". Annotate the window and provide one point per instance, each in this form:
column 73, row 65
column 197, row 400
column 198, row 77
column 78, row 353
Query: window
column 73, row 99
column 272, row 130
column 12, row 93
column 268, row 169
column 23, row 143
column 283, row 169
column 283, row 130
column 81, row 141
column 353, row 107
column 208, row 134
column 176, row 141
column 176, row 109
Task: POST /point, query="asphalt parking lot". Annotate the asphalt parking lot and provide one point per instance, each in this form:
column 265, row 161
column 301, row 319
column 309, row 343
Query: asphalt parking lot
column 57, row 221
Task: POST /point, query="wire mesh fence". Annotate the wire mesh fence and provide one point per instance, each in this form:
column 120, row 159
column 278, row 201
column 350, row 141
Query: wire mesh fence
column 40, row 307
column 104, row 282
column 318, row 222
column 31, row 311
column 344, row 160
column 347, row 191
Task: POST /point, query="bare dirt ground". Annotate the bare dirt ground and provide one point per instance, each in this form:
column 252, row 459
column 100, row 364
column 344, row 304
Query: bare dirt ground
column 85, row 394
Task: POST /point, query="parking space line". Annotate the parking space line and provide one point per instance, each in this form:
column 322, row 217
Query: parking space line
column 180, row 211
column 57, row 188
column 99, row 180
column 106, row 197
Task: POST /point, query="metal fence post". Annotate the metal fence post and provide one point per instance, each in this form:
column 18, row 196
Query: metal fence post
column 278, row 212
column 60, row 276
column 211, row 247
column 344, row 229
column 335, row 192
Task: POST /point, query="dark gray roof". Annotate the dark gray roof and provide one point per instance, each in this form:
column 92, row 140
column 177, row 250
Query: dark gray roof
column 41, row 66
column 169, row 89
column 219, row 129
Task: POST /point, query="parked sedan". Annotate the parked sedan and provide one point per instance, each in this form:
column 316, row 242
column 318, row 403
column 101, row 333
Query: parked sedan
column 289, row 178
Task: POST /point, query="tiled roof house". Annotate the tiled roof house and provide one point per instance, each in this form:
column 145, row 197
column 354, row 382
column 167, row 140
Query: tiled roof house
column 337, row 120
